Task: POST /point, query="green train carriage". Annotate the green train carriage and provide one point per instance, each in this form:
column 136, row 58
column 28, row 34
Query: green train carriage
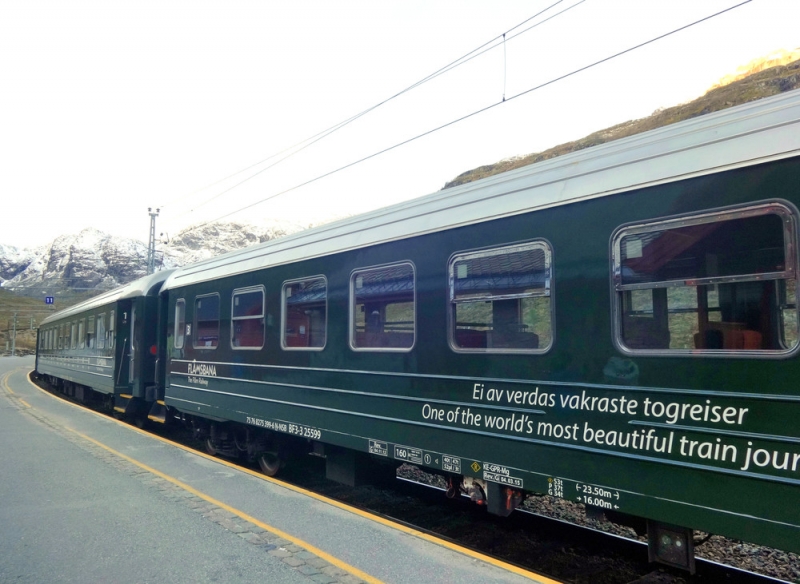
column 107, row 345
column 617, row 327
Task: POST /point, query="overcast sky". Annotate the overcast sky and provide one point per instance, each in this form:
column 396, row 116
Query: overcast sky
column 110, row 107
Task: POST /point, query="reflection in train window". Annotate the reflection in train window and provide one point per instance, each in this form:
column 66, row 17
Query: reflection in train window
column 179, row 333
column 382, row 312
column 101, row 331
column 247, row 318
column 500, row 299
column 206, row 322
column 110, row 332
column 718, row 282
column 90, row 332
column 304, row 313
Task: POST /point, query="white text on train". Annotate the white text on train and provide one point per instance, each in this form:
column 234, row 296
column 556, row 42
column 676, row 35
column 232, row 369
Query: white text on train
column 202, row 369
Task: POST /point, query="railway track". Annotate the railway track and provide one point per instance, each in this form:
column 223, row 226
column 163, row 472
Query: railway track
column 557, row 547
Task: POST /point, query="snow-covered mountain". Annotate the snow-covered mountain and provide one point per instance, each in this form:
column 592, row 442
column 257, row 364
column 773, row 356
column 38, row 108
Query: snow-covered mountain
column 92, row 259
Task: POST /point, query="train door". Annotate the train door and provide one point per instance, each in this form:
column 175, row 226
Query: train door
column 133, row 372
column 138, row 350
column 121, row 344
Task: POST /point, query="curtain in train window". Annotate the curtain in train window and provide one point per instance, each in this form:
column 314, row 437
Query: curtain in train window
column 81, row 337
column 305, row 313
column 382, row 308
column 500, row 299
column 179, row 332
column 247, row 318
column 723, row 281
column 206, row 322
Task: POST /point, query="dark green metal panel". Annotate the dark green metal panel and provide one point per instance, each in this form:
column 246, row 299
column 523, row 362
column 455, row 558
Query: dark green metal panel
column 709, row 443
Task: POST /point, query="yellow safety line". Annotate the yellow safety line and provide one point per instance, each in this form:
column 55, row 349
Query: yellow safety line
column 26, row 404
column 5, row 382
column 365, row 514
column 295, row 540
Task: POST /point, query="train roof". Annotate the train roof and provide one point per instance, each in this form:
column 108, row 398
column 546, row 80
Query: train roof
column 145, row 286
column 767, row 129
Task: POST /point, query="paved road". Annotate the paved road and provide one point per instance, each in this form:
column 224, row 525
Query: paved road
column 84, row 498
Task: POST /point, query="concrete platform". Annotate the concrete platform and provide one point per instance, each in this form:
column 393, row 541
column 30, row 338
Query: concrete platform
column 84, row 498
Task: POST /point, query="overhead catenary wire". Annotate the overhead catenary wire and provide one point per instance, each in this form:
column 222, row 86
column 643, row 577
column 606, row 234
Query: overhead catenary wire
column 473, row 114
column 302, row 145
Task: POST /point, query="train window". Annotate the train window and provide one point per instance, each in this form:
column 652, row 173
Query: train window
column 60, row 336
column 718, row 283
column 304, row 313
column 81, row 338
column 112, row 325
column 500, row 299
column 206, row 322
column 382, row 312
column 179, row 333
column 90, row 332
column 247, row 318
column 101, row 331
column 73, row 335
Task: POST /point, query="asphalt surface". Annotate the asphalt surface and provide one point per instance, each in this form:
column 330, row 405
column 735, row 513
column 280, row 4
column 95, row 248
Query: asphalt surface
column 84, row 498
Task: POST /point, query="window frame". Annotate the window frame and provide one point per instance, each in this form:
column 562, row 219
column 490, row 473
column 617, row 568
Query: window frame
column 100, row 327
column 90, row 332
column 352, row 308
column 284, row 286
column 262, row 316
column 111, row 330
column 538, row 243
column 790, row 220
column 195, row 328
column 179, row 302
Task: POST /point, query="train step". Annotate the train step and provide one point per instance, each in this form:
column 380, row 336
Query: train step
column 122, row 402
column 158, row 412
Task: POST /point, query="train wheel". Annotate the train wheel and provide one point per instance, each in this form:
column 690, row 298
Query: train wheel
column 270, row 463
column 210, row 447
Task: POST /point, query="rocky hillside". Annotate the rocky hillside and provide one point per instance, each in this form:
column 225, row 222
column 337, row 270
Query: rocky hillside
column 195, row 244
column 93, row 260
column 776, row 73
